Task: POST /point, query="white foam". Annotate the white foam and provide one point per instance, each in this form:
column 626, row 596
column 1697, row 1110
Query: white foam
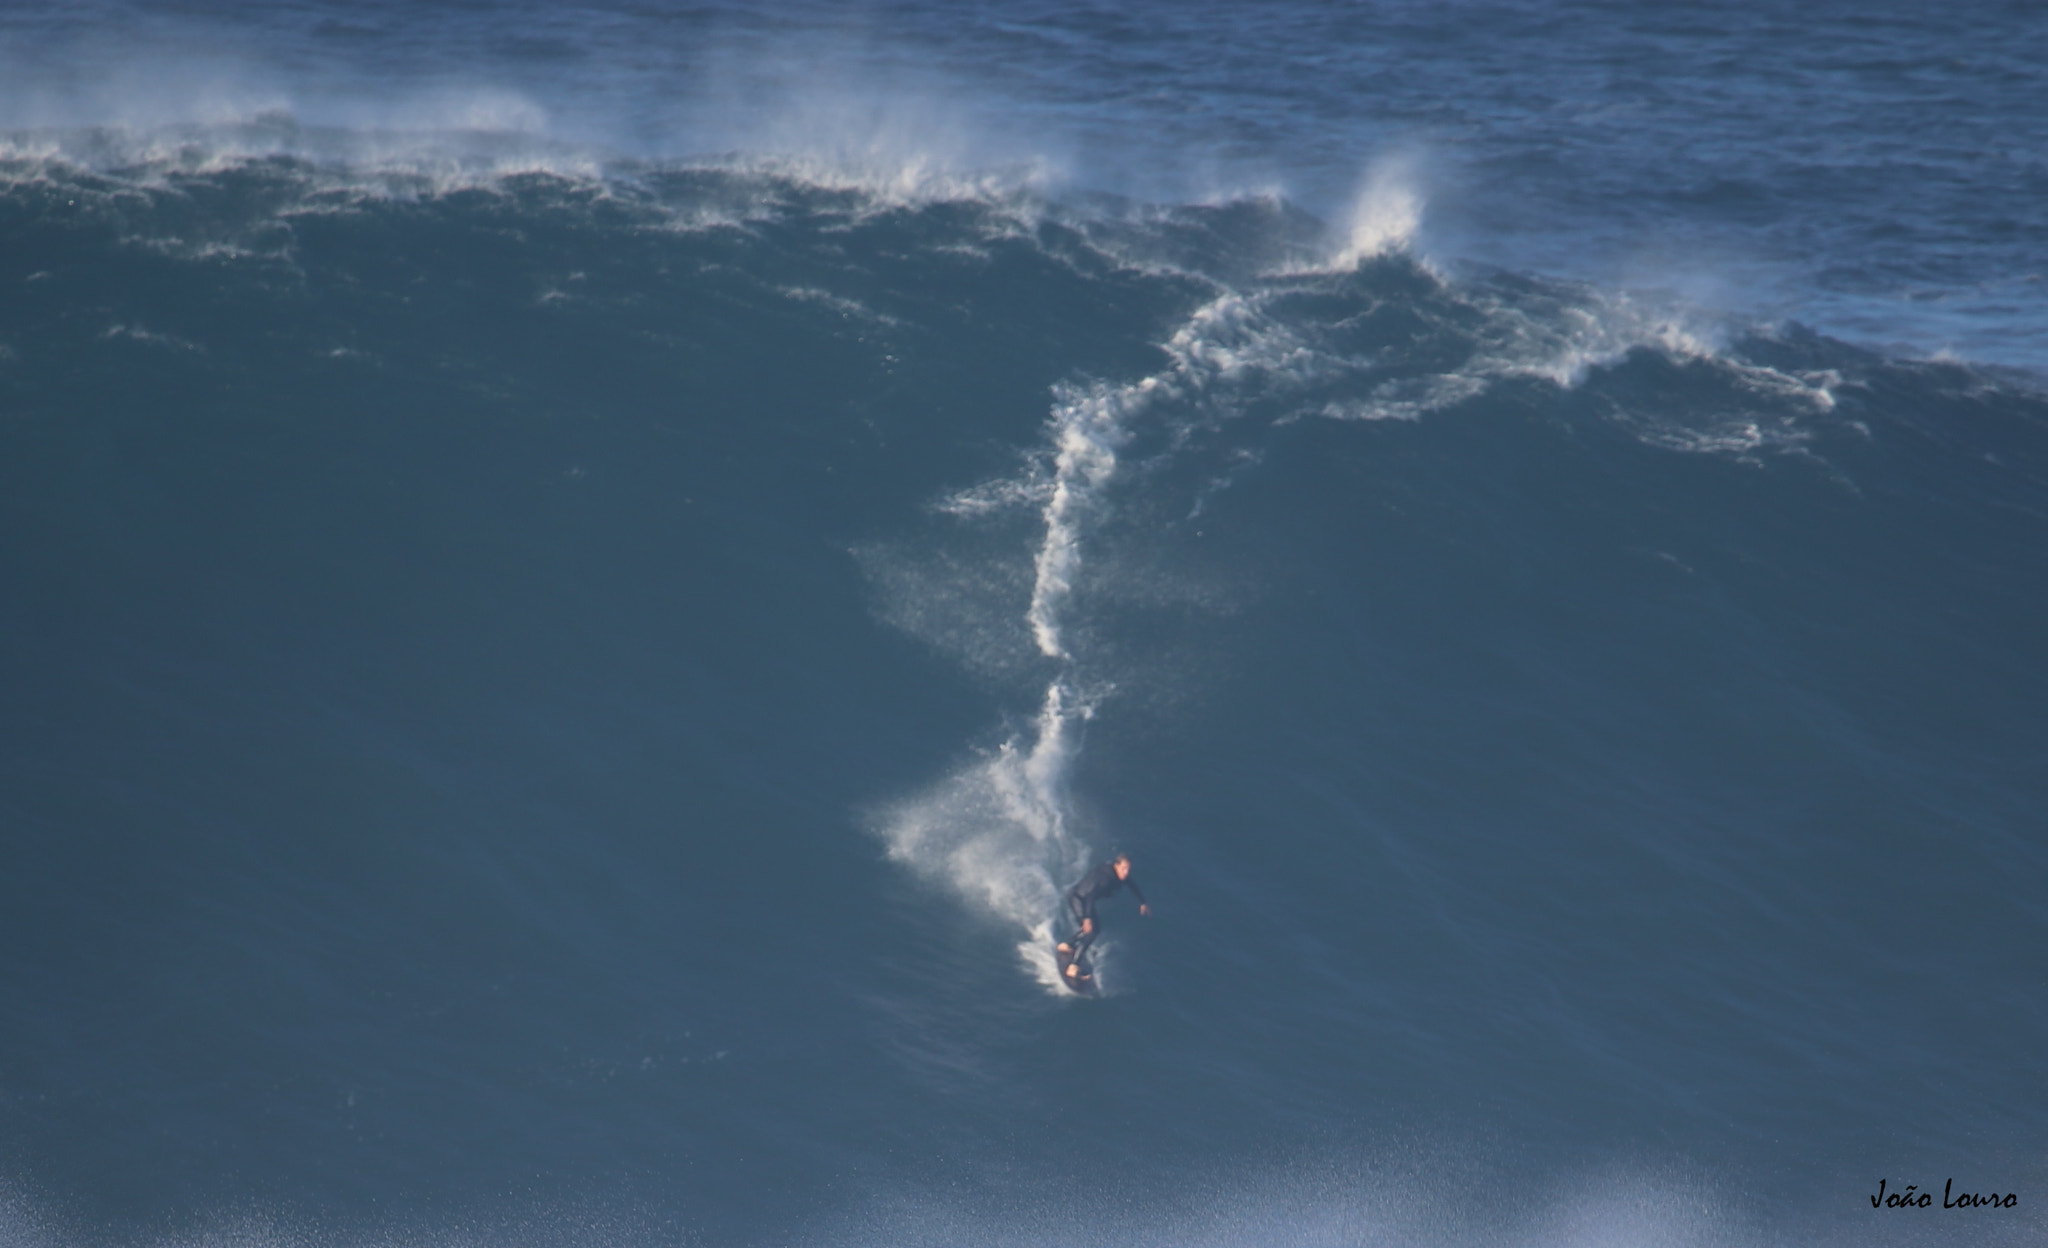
column 1439, row 1200
column 1087, row 428
column 852, row 308
column 1406, row 398
column 1229, row 337
column 995, row 496
column 1434, row 1197
column 401, row 165
column 150, row 337
column 1566, row 334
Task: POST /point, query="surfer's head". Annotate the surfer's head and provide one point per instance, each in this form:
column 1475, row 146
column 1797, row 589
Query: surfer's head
column 1122, row 865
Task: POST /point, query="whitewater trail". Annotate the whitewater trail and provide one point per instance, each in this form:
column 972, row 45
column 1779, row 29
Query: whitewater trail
column 1001, row 833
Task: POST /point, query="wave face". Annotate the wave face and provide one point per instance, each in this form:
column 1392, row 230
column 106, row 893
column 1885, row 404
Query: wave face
column 554, row 686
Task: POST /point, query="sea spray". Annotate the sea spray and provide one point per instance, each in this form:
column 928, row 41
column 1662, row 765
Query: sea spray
column 1087, row 429
column 999, row 832
column 1385, row 217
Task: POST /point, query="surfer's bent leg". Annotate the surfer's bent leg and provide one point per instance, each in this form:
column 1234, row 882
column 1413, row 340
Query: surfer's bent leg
column 1085, row 929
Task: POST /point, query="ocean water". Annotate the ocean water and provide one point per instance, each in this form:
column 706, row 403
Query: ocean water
column 579, row 580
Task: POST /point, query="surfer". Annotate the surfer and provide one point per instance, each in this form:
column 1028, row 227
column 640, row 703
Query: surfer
column 1104, row 881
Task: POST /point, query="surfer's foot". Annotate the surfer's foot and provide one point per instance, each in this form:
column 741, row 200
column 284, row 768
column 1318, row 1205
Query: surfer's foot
column 1073, row 972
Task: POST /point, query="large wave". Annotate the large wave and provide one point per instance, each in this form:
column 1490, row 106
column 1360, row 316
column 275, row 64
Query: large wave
column 835, row 351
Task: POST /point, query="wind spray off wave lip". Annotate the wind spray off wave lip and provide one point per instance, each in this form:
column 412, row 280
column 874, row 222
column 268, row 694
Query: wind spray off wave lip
column 1865, row 173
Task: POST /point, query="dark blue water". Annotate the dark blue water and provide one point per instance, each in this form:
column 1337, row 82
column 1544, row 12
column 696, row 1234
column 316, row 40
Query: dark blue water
column 578, row 582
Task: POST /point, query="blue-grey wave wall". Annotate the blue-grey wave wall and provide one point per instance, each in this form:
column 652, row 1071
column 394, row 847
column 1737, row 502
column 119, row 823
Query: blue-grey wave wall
column 502, row 676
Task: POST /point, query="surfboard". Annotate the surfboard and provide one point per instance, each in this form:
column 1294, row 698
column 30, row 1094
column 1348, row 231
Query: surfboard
column 1084, row 983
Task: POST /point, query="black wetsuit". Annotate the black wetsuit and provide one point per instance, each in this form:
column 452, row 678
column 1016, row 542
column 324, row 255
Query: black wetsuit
column 1081, row 898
